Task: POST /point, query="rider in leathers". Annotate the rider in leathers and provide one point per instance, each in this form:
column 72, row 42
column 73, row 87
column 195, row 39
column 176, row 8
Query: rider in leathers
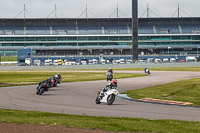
column 59, row 77
column 110, row 70
column 111, row 85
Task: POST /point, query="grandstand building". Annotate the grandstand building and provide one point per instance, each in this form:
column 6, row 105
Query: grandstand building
column 94, row 36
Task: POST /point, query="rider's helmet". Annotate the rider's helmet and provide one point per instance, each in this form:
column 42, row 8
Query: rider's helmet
column 58, row 74
column 109, row 67
column 114, row 82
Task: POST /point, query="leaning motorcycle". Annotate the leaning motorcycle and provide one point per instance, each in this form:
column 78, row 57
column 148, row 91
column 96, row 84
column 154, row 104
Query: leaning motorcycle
column 109, row 76
column 42, row 87
column 108, row 96
column 56, row 80
column 146, row 70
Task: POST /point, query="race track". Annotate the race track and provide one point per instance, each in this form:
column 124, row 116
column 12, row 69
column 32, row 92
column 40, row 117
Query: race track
column 79, row 98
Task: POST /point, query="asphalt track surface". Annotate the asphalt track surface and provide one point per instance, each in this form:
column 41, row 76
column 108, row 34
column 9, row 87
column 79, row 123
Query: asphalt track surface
column 79, row 98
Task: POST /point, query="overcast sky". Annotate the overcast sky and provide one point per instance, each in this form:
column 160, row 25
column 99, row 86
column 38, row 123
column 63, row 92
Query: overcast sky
column 96, row 8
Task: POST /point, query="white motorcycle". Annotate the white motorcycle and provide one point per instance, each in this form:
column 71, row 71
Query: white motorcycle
column 108, row 96
column 146, row 70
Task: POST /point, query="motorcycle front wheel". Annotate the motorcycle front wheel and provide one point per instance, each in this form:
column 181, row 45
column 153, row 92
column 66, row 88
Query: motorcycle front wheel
column 41, row 91
column 110, row 99
column 97, row 100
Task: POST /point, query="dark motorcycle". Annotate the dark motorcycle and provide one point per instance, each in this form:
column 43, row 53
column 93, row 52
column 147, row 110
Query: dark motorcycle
column 42, row 87
column 55, row 81
column 109, row 76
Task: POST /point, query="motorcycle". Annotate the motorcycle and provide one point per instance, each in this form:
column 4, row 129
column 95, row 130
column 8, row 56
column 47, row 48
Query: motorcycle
column 146, row 70
column 107, row 96
column 55, row 82
column 109, row 76
column 42, row 87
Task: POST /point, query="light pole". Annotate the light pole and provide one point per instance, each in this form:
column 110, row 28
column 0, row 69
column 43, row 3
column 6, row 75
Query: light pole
column 134, row 30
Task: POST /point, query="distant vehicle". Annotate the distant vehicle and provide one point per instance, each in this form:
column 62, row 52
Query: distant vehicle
column 150, row 60
column 60, row 62
column 182, row 60
column 191, row 59
column 165, row 60
column 11, row 63
column 48, row 62
column 143, row 61
column 94, row 61
column 121, row 61
column 172, row 60
column 103, row 61
column 36, row 62
column 83, row 62
column 158, row 61
column 129, row 61
column 55, row 62
column 108, row 61
column 114, row 62
column 28, row 61
column 70, row 63
column 90, row 62
column 77, row 63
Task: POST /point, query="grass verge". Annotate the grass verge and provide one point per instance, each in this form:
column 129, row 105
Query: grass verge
column 103, row 123
column 185, row 91
column 20, row 78
column 8, row 58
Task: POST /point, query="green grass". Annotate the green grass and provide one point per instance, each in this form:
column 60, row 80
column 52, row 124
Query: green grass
column 8, row 58
column 185, row 91
column 34, row 77
column 102, row 123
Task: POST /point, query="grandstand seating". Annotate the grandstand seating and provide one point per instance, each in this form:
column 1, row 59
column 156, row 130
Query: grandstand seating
column 115, row 30
column 37, row 30
column 167, row 29
column 191, row 29
column 145, row 29
column 85, row 30
column 196, row 29
column 186, row 28
column 90, row 30
column 63, row 30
